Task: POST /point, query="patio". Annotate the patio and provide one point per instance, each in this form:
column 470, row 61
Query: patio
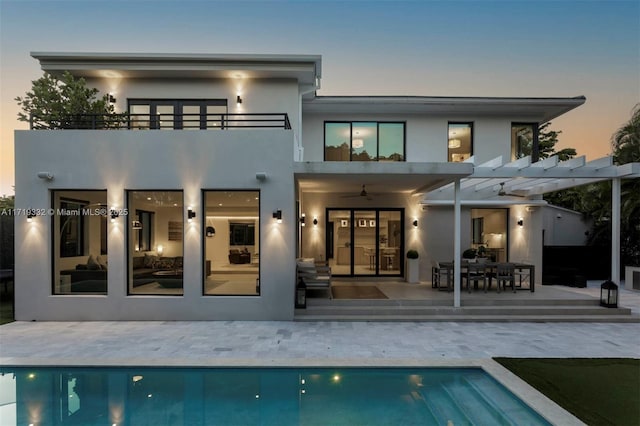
column 421, row 302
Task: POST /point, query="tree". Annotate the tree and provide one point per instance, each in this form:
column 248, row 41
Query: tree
column 625, row 143
column 594, row 200
column 66, row 103
column 547, row 140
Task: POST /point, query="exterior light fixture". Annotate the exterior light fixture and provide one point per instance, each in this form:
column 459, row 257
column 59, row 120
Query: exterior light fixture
column 45, row 175
column 609, row 294
column 111, row 98
column 190, row 214
column 277, row 215
column 454, row 143
column 238, row 100
column 357, row 143
column 415, row 223
column 520, row 222
column 30, row 217
column 211, row 231
column 315, row 221
column 114, row 215
column 261, row 176
column 136, row 224
column 303, row 220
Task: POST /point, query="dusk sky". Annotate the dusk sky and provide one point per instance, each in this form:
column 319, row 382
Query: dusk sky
column 426, row 48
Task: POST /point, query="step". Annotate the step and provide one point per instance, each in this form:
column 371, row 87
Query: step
column 449, row 302
column 472, row 318
column 466, row 310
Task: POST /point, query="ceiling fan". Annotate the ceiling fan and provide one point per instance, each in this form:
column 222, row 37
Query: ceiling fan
column 363, row 193
column 502, row 192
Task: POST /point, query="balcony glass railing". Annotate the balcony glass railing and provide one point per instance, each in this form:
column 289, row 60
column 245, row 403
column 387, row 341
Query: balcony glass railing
column 127, row 121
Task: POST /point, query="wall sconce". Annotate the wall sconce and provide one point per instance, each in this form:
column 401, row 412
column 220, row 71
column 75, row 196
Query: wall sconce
column 136, row 224
column 261, row 176
column 160, row 249
column 114, row 215
column 315, row 221
column 303, row 219
column 520, row 222
column 30, row 217
column 111, row 98
column 211, row 231
column 415, row 223
column 45, row 175
column 277, row 215
column 238, row 100
column 190, row 214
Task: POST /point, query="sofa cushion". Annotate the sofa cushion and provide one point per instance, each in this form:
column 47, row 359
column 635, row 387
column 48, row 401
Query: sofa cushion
column 150, row 260
column 138, row 262
column 164, row 263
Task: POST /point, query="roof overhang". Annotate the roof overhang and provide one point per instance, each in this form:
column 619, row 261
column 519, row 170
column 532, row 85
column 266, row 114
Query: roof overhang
column 537, row 109
column 392, row 177
column 306, row 69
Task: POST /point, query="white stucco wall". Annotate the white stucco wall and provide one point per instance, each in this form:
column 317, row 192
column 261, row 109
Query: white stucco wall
column 564, row 227
column 184, row 160
column 258, row 95
column 426, row 136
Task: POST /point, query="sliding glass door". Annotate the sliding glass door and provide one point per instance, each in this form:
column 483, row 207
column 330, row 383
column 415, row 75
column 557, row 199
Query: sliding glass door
column 365, row 242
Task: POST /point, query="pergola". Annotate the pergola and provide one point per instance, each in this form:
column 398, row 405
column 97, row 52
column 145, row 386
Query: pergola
column 496, row 183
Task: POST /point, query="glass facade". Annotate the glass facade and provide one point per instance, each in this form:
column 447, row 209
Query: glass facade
column 364, row 141
column 155, row 242
column 232, row 243
column 523, row 140
column 79, row 222
column 459, row 142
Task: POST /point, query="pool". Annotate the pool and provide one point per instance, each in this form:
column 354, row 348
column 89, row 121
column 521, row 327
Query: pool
column 257, row 396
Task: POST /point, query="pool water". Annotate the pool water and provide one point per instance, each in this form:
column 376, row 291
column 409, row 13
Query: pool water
column 257, row 396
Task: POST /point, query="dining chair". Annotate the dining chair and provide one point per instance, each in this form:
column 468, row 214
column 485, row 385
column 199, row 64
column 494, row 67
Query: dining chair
column 505, row 275
column 475, row 272
column 523, row 275
column 441, row 276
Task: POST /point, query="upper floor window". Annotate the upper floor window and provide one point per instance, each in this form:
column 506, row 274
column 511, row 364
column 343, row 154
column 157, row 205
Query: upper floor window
column 169, row 114
column 460, row 142
column 524, row 140
column 364, row 141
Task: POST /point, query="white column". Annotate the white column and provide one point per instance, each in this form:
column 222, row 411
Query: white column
column 615, row 230
column 456, row 244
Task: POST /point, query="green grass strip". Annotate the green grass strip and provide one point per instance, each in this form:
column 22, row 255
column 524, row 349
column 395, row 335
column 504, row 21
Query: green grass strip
column 599, row 391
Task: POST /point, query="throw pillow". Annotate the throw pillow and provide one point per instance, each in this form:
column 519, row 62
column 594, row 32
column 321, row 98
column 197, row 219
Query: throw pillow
column 103, row 263
column 92, row 264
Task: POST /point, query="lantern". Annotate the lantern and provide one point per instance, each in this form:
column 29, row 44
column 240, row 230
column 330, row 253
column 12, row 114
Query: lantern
column 609, row 294
column 301, row 295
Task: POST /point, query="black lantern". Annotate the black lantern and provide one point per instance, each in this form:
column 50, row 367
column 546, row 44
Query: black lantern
column 301, row 295
column 609, row 294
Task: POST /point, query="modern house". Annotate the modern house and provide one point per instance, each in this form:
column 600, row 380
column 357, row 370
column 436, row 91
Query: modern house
column 229, row 167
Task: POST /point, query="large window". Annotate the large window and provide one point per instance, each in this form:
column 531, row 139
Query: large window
column 524, row 140
column 79, row 242
column 364, row 141
column 187, row 114
column 232, row 243
column 459, row 142
column 155, row 242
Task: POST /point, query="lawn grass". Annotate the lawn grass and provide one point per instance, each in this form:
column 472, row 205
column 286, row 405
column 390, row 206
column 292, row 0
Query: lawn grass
column 599, row 391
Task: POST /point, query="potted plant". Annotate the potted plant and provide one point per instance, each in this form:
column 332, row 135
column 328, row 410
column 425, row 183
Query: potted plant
column 413, row 267
column 469, row 253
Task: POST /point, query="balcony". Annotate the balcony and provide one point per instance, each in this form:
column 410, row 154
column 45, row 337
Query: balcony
column 128, row 121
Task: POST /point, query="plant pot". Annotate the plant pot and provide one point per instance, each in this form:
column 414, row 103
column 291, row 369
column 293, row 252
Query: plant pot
column 413, row 271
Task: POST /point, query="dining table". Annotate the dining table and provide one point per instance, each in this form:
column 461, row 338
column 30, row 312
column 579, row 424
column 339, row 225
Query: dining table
column 519, row 267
